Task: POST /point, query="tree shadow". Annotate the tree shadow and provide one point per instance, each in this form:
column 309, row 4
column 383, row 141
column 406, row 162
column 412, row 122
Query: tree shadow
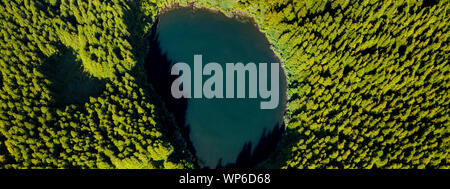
column 429, row 3
column 69, row 83
column 251, row 157
column 158, row 66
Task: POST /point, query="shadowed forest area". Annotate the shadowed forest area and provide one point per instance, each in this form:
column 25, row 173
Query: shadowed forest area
column 70, row 84
column 157, row 66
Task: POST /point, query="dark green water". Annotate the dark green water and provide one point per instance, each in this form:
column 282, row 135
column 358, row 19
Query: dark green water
column 219, row 128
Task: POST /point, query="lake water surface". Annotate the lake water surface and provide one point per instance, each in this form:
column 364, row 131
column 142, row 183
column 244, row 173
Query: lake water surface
column 220, row 128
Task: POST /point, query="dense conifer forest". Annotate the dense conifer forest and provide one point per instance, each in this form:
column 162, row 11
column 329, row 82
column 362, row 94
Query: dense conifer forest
column 368, row 83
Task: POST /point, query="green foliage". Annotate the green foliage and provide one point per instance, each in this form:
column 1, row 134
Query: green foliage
column 124, row 126
column 368, row 82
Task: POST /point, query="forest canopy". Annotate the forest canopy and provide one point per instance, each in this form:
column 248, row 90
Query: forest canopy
column 368, row 83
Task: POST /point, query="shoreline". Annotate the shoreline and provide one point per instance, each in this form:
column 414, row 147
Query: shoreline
column 236, row 14
column 250, row 19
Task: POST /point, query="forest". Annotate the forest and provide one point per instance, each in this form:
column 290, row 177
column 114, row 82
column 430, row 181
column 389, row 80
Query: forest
column 368, row 83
